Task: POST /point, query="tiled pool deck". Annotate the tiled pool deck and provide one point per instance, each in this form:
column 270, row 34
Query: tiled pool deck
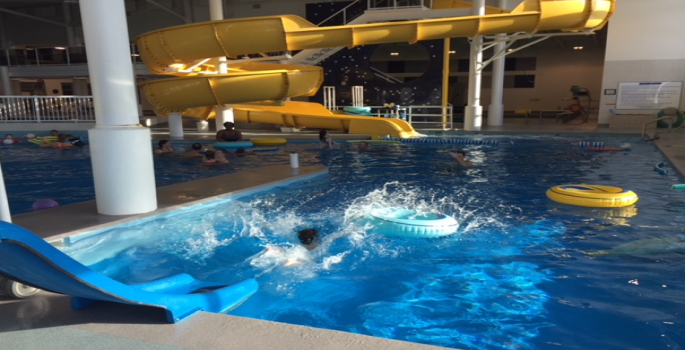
column 45, row 321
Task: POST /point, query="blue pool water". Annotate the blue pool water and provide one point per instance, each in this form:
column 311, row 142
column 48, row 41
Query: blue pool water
column 33, row 173
column 522, row 272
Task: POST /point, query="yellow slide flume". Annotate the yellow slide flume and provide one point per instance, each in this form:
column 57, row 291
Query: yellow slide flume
column 187, row 49
column 314, row 115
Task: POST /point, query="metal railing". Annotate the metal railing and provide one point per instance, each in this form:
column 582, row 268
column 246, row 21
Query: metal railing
column 44, row 109
column 430, row 117
column 51, row 56
column 394, row 4
column 656, row 133
column 419, row 117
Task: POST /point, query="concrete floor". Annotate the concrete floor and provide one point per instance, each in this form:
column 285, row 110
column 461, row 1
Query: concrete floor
column 45, row 321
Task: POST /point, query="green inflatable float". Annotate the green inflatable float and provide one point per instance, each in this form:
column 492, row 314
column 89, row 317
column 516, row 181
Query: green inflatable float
column 664, row 124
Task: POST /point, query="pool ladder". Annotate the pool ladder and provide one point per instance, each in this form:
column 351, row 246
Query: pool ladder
column 646, row 137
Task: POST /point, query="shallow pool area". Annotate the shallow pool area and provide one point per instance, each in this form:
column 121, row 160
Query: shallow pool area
column 522, row 271
column 33, row 173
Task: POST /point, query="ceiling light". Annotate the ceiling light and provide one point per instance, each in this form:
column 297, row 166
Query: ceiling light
column 394, row 54
column 577, row 47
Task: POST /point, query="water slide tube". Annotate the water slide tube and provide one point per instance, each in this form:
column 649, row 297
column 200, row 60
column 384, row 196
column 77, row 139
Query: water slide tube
column 187, row 51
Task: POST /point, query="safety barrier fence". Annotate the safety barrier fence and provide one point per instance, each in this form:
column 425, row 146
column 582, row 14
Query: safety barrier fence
column 420, row 117
column 591, row 144
column 447, row 141
column 37, row 109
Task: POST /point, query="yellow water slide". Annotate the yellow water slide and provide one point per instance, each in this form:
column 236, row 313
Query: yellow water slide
column 187, row 51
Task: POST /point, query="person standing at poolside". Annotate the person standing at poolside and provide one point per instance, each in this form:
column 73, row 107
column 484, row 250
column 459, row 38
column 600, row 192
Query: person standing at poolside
column 326, row 139
column 460, row 156
column 230, row 134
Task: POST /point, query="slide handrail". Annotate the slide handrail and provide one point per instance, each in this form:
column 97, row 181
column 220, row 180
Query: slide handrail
column 344, row 11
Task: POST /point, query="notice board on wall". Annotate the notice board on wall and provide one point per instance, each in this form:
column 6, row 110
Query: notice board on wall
column 649, row 95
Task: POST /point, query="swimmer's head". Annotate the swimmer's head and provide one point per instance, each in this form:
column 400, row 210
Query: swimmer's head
column 308, row 236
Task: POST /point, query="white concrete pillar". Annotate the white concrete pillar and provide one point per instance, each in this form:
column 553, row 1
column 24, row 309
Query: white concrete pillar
column 175, row 126
column 223, row 113
column 496, row 107
column 216, row 10
column 473, row 114
column 5, row 81
column 4, row 202
column 121, row 148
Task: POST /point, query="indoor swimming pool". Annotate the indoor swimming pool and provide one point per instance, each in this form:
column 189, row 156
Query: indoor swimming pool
column 522, row 271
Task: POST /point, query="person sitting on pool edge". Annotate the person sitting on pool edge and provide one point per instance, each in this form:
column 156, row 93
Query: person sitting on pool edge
column 230, row 134
column 309, row 238
column 460, row 156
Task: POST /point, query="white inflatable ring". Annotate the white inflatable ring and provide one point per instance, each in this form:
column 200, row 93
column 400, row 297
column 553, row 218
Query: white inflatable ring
column 409, row 223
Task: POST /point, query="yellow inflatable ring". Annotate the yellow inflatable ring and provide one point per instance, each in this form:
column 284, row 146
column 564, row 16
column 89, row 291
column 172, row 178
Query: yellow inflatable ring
column 592, row 196
column 269, row 141
column 38, row 140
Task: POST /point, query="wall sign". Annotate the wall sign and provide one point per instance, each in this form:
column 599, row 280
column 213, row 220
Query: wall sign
column 649, row 95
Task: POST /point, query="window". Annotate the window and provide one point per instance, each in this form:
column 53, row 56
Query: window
column 67, row 89
column 511, row 64
column 519, row 81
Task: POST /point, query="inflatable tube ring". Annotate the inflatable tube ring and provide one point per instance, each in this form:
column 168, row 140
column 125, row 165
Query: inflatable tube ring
column 233, row 145
column 595, row 196
column 678, row 122
column 410, row 223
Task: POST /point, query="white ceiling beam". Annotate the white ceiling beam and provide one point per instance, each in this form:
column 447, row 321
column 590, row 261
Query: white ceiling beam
column 182, row 17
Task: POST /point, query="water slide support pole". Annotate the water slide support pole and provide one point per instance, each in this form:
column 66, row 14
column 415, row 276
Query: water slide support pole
column 473, row 114
column 223, row 113
column 496, row 107
column 445, row 82
column 123, row 170
column 175, row 126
